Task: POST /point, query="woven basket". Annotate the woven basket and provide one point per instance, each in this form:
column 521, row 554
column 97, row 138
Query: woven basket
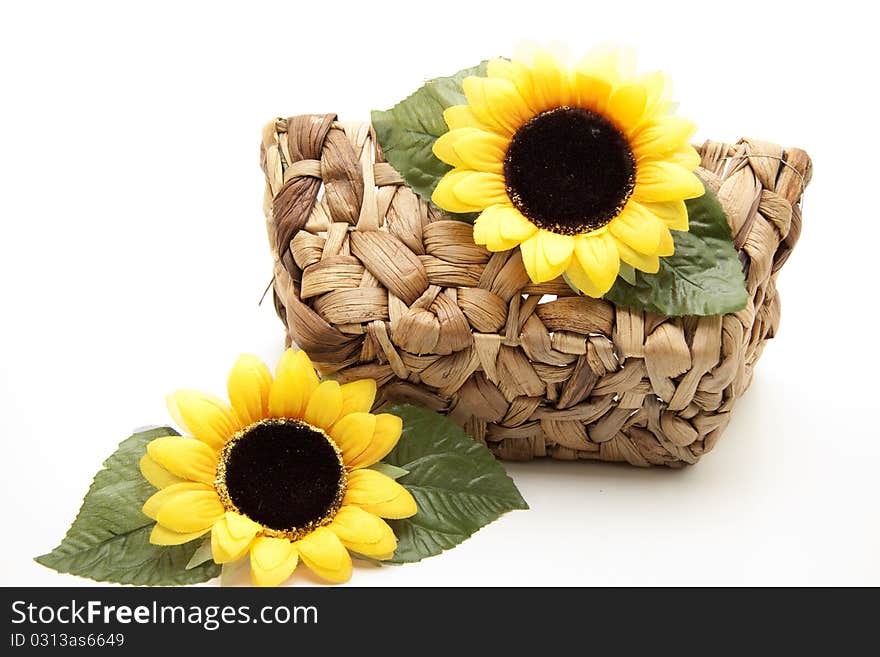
column 372, row 281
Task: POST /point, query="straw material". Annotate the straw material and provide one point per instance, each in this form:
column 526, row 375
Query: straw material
column 372, row 281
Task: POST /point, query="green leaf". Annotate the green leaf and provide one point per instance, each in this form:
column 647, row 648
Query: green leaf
column 109, row 540
column 703, row 277
column 456, row 482
column 407, row 131
column 389, row 470
column 202, row 554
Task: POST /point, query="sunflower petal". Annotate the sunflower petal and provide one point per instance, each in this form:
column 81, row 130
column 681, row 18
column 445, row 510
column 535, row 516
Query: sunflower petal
column 358, row 396
column 598, row 257
column 578, row 277
column 626, row 107
column 385, row 437
column 362, row 532
column 273, row 560
column 514, row 226
column 324, row 405
column 444, row 195
column 551, row 86
column 650, row 264
column 557, row 248
column 163, row 536
column 637, row 228
column 667, row 245
column 672, row 213
column 205, row 416
column 324, row 554
column 687, row 157
column 592, row 91
column 658, row 137
column 535, row 261
column 488, row 226
column 472, row 148
column 496, row 102
column 156, row 474
column 460, row 116
column 186, row 458
column 379, row 494
column 353, row 434
column 157, row 500
column 190, row 511
column 480, row 189
column 228, row 545
column 248, row 386
column 665, row 181
column 295, row 381
column 518, row 74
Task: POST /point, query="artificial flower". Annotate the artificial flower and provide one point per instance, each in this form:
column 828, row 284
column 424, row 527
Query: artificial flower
column 582, row 167
column 280, row 475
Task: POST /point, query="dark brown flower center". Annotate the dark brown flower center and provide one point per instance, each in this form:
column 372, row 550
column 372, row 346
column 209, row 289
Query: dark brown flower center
column 569, row 170
column 284, row 474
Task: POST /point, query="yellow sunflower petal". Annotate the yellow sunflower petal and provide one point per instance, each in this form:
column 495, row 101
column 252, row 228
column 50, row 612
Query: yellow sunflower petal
column 480, row 189
column 535, row 261
column 205, row 416
column 578, row 277
column 518, row 74
column 665, row 181
column 592, row 91
column 472, row 148
column 667, row 245
column 606, row 63
column 358, row 396
column 687, row 157
column 637, row 228
column 156, row 474
column 496, row 102
column 460, row 116
column 481, row 150
column 364, row 533
column 248, row 386
column 493, row 221
column 672, row 213
column 324, row 405
column 163, row 536
column 659, row 137
column 659, row 90
column 514, row 226
column 231, row 536
column 324, row 554
column 187, row 458
column 385, row 437
column 597, row 255
column 379, row 494
column 157, row 500
column 190, row 511
column 626, row 107
column 557, row 248
column 353, row 434
column 295, row 381
column 551, row 86
column 273, row 560
column 444, row 195
column 650, row 264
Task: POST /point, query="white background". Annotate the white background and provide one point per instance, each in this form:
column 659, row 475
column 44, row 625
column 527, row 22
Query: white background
column 134, row 255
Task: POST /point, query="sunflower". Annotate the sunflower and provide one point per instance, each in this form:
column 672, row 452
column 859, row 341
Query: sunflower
column 281, row 475
column 582, row 168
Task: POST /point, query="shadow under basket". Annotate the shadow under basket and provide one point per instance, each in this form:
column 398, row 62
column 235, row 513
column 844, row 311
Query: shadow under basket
column 374, row 282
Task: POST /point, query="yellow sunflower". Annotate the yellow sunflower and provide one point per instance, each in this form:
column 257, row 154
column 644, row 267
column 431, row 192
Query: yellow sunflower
column 282, row 474
column 581, row 167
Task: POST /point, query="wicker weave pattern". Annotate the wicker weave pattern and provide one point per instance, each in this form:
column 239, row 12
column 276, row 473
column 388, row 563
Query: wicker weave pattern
column 374, row 282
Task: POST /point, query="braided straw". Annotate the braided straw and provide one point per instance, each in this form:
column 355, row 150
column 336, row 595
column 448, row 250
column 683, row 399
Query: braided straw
column 372, row 281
